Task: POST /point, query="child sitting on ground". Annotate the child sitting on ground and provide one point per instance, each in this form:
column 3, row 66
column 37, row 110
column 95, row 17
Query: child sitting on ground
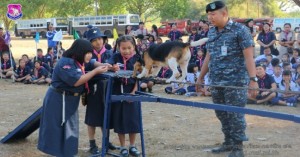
column 40, row 74
column 23, row 72
column 287, row 99
column 7, row 70
column 191, row 77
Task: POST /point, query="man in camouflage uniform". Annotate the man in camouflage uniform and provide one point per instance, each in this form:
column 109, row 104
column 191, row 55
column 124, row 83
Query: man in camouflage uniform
column 229, row 60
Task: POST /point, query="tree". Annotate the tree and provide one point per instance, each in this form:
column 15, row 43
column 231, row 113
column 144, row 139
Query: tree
column 144, row 8
column 297, row 2
column 174, row 9
column 66, row 8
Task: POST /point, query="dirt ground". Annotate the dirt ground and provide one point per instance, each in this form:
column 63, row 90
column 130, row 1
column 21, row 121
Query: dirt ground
column 169, row 130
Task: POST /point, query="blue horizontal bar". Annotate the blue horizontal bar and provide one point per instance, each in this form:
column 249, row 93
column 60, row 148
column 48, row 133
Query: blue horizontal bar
column 263, row 113
column 133, row 98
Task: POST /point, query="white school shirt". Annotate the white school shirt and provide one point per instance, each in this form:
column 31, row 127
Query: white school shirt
column 293, row 87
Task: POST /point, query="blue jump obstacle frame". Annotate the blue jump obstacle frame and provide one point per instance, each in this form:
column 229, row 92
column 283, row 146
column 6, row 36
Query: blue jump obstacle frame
column 32, row 123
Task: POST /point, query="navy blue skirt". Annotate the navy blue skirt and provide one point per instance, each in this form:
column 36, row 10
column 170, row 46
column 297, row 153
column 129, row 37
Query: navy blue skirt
column 56, row 139
column 95, row 103
column 126, row 117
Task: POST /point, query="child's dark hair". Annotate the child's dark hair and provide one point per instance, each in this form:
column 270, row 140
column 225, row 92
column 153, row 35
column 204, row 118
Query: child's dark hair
column 125, row 38
column 159, row 38
column 286, row 73
column 49, row 49
column 20, row 60
column 190, row 68
column 297, row 50
column 39, row 50
column 151, row 36
column 194, row 28
column 285, row 64
column 25, row 55
column 78, row 50
column 287, row 24
column 275, row 62
column 38, row 61
column 5, row 53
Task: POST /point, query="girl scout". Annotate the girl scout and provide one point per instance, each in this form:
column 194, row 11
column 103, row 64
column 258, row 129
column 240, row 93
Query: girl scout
column 59, row 128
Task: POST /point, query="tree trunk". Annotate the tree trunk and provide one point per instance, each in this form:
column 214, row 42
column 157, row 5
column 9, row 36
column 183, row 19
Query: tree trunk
column 297, row 2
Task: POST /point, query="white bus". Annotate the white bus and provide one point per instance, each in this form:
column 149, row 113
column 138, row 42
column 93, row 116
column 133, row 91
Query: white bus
column 105, row 23
column 279, row 22
column 28, row 28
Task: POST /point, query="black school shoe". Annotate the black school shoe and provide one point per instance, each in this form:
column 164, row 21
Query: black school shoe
column 124, row 152
column 111, row 146
column 134, row 152
column 94, row 150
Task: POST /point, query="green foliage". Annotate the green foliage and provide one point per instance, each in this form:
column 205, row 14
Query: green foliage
column 149, row 10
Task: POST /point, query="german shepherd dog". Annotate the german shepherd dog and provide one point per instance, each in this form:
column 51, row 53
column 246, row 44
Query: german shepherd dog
column 172, row 54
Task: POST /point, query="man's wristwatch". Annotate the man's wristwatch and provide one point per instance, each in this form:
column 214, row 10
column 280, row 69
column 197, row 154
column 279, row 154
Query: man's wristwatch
column 255, row 79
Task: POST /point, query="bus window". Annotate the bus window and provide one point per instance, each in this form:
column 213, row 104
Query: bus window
column 31, row 25
column 81, row 23
column 134, row 19
column 103, row 20
column 122, row 19
column 92, row 20
column 86, row 23
column 109, row 20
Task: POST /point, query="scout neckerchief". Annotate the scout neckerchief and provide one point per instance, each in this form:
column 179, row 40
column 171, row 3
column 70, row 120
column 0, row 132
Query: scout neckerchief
column 21, row 71
column 200, row 60
column 262, row 84
column 165, row 69
column 174, row 35
column 125, row 66
column 286, row 34
column 100, row 53
column 266, row 36
column 4, row 64
column 36, row 72
column 82, row 68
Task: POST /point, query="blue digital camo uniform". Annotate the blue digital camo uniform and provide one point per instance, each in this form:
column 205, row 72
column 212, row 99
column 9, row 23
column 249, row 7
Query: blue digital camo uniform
column 229, row 70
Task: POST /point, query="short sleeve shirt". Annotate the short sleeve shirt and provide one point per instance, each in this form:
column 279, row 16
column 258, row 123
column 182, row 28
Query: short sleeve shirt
column 228, row 69
column 66, row 73
column 290, row 36
column 266, row 82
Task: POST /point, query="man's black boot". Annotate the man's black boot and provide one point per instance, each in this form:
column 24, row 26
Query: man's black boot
column 237, row 150
column 225, row 147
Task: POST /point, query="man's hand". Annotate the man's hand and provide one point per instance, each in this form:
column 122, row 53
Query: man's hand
column 198, row 85
column 253, row 85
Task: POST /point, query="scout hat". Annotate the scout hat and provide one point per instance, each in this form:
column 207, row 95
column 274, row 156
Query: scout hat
column 260, row 65
column 94, row 33
column 216, row 5
column 89, row 26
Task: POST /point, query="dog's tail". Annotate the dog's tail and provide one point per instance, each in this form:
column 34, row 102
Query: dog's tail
column 199, row 42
